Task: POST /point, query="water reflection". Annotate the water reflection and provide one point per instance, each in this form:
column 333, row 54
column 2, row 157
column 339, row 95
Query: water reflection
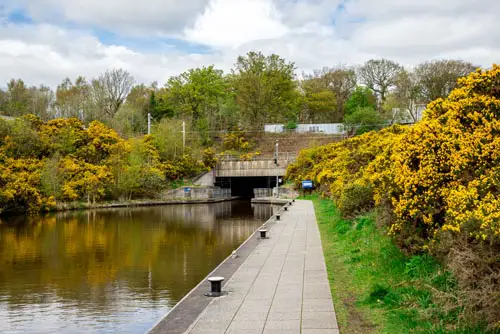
column 116, row 270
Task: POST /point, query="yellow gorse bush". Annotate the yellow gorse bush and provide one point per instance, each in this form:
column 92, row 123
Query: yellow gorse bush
column 440, row 176
column 447, row 166
column 335, row 166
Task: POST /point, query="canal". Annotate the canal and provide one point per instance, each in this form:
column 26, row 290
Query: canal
column 114, row 270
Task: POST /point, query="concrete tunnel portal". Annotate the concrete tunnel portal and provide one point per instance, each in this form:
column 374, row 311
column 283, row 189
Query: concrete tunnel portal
column 242, row 177
column 244, row 186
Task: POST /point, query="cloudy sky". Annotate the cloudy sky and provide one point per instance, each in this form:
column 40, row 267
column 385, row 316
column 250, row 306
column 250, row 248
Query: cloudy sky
column 43, row 41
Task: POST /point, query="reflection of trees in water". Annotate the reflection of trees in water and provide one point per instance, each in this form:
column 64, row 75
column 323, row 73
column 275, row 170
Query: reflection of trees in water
column 96, row 257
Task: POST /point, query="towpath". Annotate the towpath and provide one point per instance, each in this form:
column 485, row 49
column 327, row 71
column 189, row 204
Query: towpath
column 282, row 287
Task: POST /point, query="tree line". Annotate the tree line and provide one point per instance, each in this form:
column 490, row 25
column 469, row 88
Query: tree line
column 258, row 89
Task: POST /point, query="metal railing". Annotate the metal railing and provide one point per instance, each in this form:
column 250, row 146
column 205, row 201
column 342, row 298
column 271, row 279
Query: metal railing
column 287, row 156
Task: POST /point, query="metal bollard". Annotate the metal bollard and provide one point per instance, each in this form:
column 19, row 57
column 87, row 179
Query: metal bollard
column 286, row 208
column 263, row 233
column 293, row 201
column 278, row 216
column 216, row 285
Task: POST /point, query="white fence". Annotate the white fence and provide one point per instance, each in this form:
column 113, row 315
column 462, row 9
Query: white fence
column 330, row 128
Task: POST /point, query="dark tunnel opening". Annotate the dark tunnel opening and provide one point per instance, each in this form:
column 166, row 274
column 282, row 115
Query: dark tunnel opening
column 244, row 186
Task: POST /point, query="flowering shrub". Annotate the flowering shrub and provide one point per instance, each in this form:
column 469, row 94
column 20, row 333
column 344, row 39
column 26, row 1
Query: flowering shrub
column 336, row 166
column 249, row 156
column 61, row 160
column 439, row 180
column 447, row 167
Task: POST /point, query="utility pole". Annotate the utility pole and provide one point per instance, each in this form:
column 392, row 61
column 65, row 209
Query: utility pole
column 183, row 136
column 149, row 123
column 277, row 170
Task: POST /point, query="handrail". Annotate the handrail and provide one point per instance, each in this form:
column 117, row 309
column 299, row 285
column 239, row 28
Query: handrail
column 281, row 156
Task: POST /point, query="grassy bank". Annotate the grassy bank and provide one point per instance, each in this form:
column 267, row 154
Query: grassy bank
column 377, row 289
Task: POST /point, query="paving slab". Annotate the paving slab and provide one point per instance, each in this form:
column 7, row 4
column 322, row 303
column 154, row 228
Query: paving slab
column 281, row 287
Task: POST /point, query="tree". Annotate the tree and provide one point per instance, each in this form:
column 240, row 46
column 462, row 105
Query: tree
column 402, row 103
column 195, row 96
column 363, row 120
column 362, row 97
column 114, row 86
column 380, row 76
column 72, row 99
column 438, row 78
column 131, row 118
column 42, row 101
column 265, row 89
column 319, row 102
column 159, row 105
column 167, row 138
column 18, row 98
column 341, row 81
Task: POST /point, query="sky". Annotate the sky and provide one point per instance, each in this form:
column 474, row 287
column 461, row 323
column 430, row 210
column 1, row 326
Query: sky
column 45, row 41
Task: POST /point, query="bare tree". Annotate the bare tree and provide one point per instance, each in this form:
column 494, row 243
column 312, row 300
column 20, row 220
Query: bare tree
column 408, row 93
column 380, row 76
column 116, row 84
column 438, row 78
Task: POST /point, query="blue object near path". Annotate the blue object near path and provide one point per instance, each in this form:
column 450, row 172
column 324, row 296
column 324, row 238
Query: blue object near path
column 307, row 184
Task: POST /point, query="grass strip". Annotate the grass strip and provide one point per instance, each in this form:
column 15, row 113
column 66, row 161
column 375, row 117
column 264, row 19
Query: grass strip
column 376, row 288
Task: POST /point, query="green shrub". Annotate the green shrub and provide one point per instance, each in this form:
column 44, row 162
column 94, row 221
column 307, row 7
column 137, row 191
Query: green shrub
column 355, row 199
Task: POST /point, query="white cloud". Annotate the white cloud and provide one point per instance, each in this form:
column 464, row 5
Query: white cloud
column 230, row 23
column 131, row 17
column 299, row 30
column 304, row 12
column 47, row 54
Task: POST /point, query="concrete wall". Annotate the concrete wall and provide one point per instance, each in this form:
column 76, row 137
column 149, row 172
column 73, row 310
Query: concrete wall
column 198, row 193
column 251, row 168
column 205, row 180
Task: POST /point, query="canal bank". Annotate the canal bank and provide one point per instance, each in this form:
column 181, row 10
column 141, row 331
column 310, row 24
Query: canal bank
column 275, row 285
column 132, row 204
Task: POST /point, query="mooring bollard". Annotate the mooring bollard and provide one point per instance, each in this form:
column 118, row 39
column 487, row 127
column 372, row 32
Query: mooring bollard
column 286, row 208
column 278, row 216
column 290, row 203
column 263, row 233
column 216, row 285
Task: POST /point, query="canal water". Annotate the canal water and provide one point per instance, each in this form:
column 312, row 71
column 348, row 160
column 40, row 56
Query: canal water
column 114, row 270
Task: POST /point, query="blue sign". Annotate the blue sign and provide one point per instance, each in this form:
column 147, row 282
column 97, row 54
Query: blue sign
column 186, row 190
column 307, row 184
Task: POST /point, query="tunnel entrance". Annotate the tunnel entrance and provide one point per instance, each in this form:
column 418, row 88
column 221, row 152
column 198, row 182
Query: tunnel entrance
column 244, row 186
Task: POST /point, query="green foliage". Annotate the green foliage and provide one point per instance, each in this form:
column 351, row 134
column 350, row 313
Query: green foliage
column 355, row 199
column 388, row 291
column 51, row 178
column 361, row 98
column 167, row 138
column 22, row 140
column 320, row 102
column 195, row 95
column 291, row 125
column 265, row 89
column 363, row 120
